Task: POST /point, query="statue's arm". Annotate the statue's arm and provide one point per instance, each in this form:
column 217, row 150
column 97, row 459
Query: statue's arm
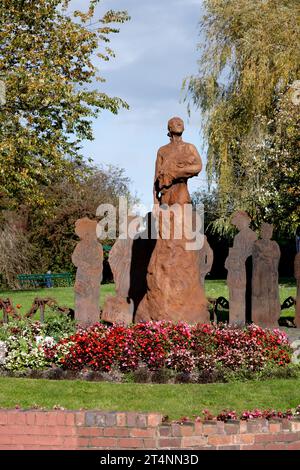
column 191, row 167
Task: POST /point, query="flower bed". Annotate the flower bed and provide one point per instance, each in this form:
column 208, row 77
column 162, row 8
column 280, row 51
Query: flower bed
column 180, row 347
column 151, row 350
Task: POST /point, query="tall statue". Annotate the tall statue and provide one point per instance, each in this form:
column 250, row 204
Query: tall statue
column 297, row 277
column 88, row 258
column 265, row 289
column 174, row 290
column 236, row 266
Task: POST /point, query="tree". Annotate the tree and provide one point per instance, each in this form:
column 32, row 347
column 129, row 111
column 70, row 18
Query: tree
column 246, row 88
column 46, row 63
column 53, row 234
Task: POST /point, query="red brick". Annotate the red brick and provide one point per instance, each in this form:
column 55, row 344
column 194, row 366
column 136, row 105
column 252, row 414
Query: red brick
column 83, row 442
column 3, row 417
column 80, row 418
column 253, row 447
column 179, row 430
column 170, row 442
column 295, row 426
column 257, row 426
column 90, row 431
column 198, row 427
column 150, row 432
column 141, row 421
column 52, row 418
column 231, row 428
column 287, row 436
column 42, row 419
column 150, row 443
column 293, row 445
column 70, row 441
column 12, row 429
column 154, row 420
column 275, row 446
column 16, row 417
column 265, row 438
column 209, row 429
column 232, row 447
column 193, row 441
column 286, row 425
column 244, row 439
column 131, row 419
column 165, row 431
column 110, row 419
column 116, row 432
column 131, row 443
column 220, row 427
column 30, row 418
column 70, row 419
column 244, row 427
column 275, row 427
column 5, row 439
column 103, row 442
column 36, row 440
column 121, row 419
column 220, row 440
column 9, row 447
column 61, row 430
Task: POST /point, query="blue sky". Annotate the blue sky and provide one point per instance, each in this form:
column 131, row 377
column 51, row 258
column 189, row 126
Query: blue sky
column 155, row 51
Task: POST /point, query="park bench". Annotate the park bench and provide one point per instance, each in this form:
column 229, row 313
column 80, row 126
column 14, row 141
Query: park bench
column 27, row 281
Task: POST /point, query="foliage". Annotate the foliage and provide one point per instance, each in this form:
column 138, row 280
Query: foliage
column 58, row 325
column 53, row 231
column 248, row 92
column 179, row 347
column 47, row 62
column 25, row 348
column 15, row 253
column 25, row 341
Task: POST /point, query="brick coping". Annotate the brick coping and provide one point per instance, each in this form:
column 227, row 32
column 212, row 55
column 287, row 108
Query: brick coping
column 94, row 429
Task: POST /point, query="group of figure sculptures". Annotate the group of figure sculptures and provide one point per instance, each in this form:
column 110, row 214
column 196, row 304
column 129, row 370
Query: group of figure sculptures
column 160, row 279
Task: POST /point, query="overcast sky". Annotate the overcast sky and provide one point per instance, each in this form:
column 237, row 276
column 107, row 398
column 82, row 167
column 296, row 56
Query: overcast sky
column 155, row 51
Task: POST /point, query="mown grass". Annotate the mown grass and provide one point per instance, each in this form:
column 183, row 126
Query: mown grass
column 172, row 400
column 65, row 295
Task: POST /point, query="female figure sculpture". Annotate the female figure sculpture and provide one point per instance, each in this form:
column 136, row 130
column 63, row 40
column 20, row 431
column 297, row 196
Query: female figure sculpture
column 265, row 290
column 174, row 290
column 236, row 266
column 88, row 258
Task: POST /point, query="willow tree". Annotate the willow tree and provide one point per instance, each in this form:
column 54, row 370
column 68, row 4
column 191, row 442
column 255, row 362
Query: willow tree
column 53, row 89
column 246, row 89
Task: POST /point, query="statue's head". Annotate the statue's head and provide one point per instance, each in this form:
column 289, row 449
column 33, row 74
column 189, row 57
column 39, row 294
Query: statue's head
column 266, row 231
column 241, row 220
column 85, row 227
column 175, row 126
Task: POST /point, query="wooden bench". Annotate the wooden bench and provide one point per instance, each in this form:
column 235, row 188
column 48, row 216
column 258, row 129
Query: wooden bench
column 27, row 281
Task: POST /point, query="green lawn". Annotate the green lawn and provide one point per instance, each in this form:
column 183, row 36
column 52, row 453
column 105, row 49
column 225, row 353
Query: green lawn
column 287, row 288
column 65, row 295
column 172, row 400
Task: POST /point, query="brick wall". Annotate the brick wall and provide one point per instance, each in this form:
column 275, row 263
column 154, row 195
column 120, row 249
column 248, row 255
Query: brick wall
column 32, row 429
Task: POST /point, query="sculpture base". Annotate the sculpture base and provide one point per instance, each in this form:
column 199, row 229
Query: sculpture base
column 117, row 310
column 174, row 290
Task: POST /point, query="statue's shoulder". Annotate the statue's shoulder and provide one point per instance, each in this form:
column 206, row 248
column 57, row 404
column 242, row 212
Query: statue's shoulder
column 163, row 150
column 190, row 146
